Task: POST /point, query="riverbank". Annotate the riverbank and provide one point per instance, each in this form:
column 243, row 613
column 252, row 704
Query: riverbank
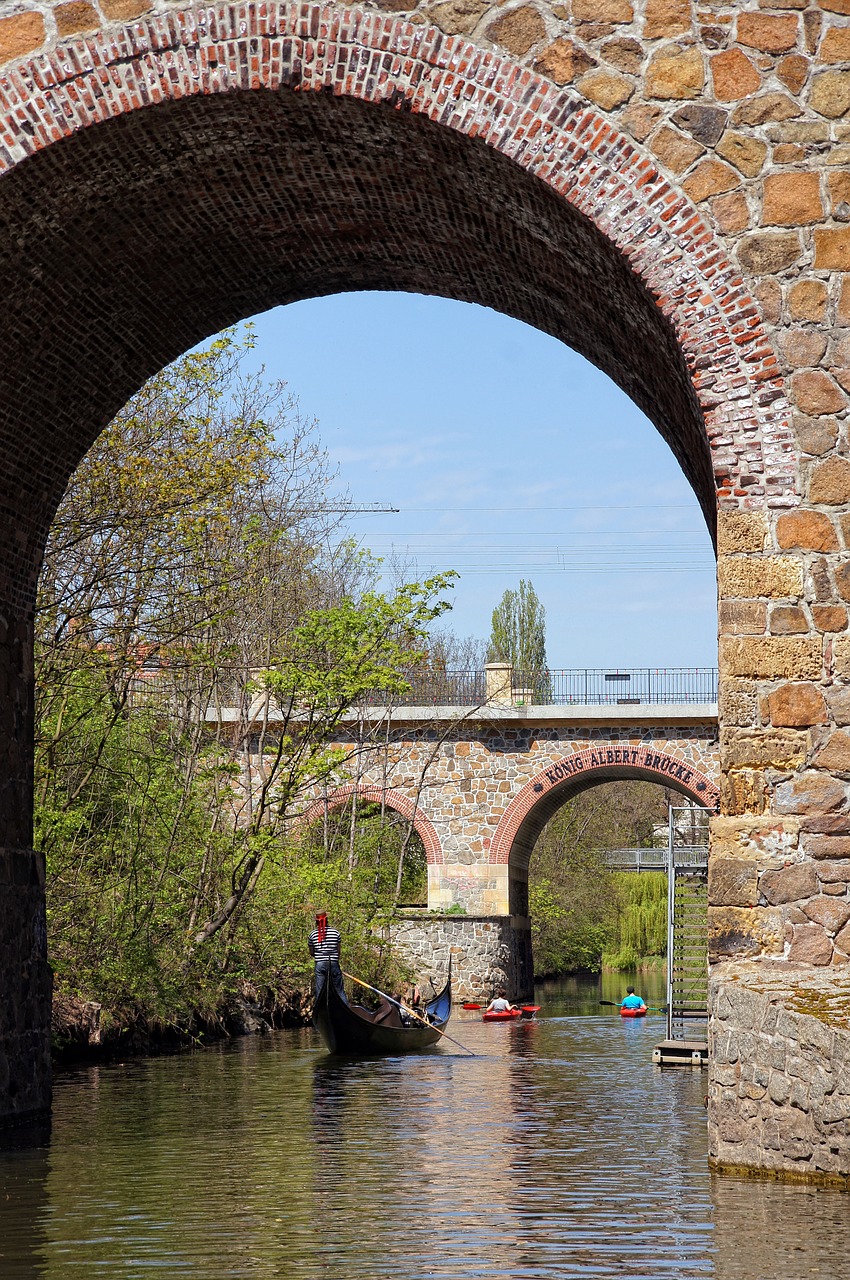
column 87, row 1031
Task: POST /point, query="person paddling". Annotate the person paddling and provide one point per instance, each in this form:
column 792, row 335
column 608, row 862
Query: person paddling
column 500, row 1003
column 324, row 945
column 631, row 1001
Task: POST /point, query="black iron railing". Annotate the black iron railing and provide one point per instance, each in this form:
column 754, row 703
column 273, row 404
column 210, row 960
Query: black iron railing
column 578, row 686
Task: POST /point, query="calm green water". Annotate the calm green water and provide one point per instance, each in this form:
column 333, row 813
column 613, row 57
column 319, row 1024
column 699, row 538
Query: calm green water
column 557, row 1151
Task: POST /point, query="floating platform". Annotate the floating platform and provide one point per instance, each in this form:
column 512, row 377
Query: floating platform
column 681, row 1053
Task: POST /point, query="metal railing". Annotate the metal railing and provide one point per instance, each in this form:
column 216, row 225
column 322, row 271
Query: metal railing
column 578, row 686
column 654, row 859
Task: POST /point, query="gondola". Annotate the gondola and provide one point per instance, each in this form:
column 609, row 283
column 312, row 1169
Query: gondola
column 350, row 1029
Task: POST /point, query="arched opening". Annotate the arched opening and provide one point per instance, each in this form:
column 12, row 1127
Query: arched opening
column 130, row 239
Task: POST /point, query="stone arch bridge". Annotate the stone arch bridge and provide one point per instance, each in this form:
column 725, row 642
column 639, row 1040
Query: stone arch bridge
column 662, row 184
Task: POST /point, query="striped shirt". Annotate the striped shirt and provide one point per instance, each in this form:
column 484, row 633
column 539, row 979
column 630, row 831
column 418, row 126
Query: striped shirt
column 327, row 950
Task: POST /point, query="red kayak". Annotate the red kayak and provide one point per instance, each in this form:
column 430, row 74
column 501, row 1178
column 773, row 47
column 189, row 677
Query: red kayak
column 633, row 1013
column 526, row 1011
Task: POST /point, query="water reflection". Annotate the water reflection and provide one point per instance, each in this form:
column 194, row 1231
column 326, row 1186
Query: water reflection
column 557, row 1152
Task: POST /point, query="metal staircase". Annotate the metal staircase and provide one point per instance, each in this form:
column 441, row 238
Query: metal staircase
column 687, row 926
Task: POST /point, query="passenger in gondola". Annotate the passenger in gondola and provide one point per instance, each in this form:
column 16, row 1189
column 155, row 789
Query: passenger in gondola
column 324, row 945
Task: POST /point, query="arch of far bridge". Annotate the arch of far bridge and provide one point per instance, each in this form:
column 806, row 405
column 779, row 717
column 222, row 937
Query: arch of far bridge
column 538, row 801
column 392, row 799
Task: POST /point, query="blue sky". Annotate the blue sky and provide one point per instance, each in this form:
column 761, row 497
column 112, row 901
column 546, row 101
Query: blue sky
column 508, row 456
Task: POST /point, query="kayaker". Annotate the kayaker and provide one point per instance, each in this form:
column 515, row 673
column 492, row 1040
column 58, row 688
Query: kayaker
column 500, row 1003
column 631, row 1001
column 324, row 945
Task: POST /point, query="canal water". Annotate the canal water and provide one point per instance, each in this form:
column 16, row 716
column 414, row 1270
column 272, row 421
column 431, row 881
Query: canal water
column 557, row 1151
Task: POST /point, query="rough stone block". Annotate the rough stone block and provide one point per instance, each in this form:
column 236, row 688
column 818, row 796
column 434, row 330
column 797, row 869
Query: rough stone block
column 739, row 531
column 810, row 792
column 768, row 34
column 744, row 931
column 675, row 72
column 788, row 620
column 771, row 657
column 769, row 251
column 734, row 76
column 458, row 17
column 20, row 34
column 518, row 29
column 791, row 884
column 829, row 912
column 830, row 94
column 807, row 300
column 792, row 199
column 829, row 617
column 797, row 704
column 732, row 882
column 810, row 944
column 754, row 576
column 563, row 61
column 815, row 393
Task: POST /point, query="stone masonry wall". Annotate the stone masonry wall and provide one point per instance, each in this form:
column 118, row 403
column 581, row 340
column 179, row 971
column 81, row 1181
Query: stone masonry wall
column 486, row 953
column 779, row 1092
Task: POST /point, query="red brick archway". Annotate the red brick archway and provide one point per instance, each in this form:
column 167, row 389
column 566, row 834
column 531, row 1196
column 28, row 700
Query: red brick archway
column 530, row 810
column 160, row 181
column 395, row 800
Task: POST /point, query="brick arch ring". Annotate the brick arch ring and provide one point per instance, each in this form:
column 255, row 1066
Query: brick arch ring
column 395, row 800
column 540, row 798
column 551, row 132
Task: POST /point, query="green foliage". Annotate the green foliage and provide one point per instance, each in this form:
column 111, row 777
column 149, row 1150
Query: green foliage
column 583, row 914
column 188, row 571
column 518, row 636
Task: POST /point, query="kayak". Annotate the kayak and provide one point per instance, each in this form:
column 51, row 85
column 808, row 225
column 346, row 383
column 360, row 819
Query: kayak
column 525, row 1011
column 633, row 1013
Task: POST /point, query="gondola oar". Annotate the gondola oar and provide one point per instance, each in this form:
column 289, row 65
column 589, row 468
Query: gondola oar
column 400, row 1005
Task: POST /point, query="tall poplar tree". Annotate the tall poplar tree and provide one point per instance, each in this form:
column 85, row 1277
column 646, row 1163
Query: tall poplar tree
column 518, row 636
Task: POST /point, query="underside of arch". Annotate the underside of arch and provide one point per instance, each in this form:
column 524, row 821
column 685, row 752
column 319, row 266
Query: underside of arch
column 542, row 797
column 196, row 181
column 395, row 800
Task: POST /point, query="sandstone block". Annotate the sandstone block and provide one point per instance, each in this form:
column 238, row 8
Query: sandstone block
column 809, row 792
column 640, row 120
column 830, row 912
column 838, row 701
column 810, row 944
column 829, row 617
column 768, row 34
column 814, row 392
column 563, row 61
column 829, row 484
column 815, row 435
column 745, row 153
column 20, row 34
column 767, row 108
column 803, row 347
column 624, row 54
column 832, row 248
column 810, row 530
column 841, row 657
column 77, row 15
column 732, row 882
column 791, row 200
column 796, row 705
column 741, row 531
column 665, row 18
column 835, row 46
column 807, row 300
column 768, row 294
column 738, row 707
column 742, row 791
column 736, row 932
column 606, row 89
column 788, row 620
column 827, row 848
column 124, row 10
column 842, row 580
column 830, row 95
column 753, row 576
column 706, row 124
column 791, row 884
column 734, row 76
column 602, row 11
column 731, row 215
column 768, row 251
column 835, row 753
column 457, row 17
column 743, row 617
column 518, row 29
column 675, row 72
column 763, row 749
column 675, row 150
column 771, row 657
column 793, row 71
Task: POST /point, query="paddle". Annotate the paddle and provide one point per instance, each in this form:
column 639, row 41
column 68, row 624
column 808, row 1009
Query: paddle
column 650, row 1008
column 400, row 1005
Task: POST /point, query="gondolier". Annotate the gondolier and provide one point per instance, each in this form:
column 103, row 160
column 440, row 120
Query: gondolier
column 324, row 944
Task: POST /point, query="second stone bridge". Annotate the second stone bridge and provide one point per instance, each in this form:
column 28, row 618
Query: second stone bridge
column 480, row 783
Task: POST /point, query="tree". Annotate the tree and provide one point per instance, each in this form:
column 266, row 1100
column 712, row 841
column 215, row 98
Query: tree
column 518, row 636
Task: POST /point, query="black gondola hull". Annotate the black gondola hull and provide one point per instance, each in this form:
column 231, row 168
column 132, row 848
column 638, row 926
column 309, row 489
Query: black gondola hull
column 350, row 1031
